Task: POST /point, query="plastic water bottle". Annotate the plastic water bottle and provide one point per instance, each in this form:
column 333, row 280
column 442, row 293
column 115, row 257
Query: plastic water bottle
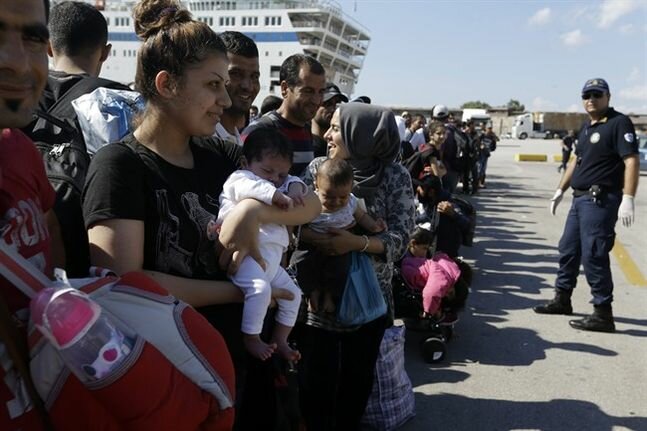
column 89, row 342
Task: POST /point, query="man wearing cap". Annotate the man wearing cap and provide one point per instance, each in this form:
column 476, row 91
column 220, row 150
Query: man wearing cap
column 321, row 122
column 604, row 178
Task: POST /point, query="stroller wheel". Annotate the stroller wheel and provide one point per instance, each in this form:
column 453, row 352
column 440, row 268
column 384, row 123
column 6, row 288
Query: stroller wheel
column 448, row 331
column 433, row 350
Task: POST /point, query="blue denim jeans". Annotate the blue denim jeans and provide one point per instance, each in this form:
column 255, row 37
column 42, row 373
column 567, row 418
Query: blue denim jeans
column 588, row 238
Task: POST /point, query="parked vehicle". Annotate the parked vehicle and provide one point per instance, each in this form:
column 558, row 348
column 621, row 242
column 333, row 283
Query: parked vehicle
column 546, row 125
column 478, row 116
column 642, row 147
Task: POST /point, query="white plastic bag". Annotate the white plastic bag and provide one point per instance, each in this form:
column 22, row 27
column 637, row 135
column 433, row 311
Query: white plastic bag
column 106, row 115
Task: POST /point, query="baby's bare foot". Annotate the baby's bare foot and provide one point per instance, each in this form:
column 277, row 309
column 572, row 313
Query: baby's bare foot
column 288, row 353
column 257, row 348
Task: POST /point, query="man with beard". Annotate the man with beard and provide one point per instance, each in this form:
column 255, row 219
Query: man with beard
column 243, row 86
column 28, row 226
column 321, row 122
column 303, row 83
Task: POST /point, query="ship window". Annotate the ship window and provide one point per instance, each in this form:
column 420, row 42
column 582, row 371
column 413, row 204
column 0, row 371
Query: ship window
column 267, row 53
column 227, row 21
column 255, row 20
column 244, row 23
column 272, row 20
column 280, row 53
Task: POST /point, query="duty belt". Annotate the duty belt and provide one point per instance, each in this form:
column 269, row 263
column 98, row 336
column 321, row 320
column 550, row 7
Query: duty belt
column 579, row 192
column 594, row 191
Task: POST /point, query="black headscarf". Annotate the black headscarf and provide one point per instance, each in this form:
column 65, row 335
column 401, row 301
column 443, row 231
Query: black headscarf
column 373, row 141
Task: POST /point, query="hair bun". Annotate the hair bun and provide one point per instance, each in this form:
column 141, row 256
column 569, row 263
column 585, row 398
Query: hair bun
column 153, row 16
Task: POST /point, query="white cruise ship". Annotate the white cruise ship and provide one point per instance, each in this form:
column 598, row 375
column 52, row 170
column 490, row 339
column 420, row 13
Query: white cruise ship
column 280, row 28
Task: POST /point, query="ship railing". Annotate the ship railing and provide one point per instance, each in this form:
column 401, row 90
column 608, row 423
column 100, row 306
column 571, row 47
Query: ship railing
column 328, row 5
column 299, row 23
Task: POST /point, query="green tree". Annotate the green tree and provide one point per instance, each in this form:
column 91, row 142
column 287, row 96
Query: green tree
column 475, row 104
column 515, row 106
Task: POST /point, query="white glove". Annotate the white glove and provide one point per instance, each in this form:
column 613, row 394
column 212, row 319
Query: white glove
column 555, row 200
column 626, row 210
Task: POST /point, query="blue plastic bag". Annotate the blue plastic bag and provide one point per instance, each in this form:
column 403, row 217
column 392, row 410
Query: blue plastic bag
column 106, row 115
column 362, row 300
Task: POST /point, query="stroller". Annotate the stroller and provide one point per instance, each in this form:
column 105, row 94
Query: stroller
column 408, row 307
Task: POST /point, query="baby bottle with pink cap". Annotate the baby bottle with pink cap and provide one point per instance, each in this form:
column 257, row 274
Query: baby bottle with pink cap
column 88, row 340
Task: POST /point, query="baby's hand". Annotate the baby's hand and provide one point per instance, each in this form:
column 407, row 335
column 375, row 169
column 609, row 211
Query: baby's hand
column 379, row 226
column 282, row 201
column 296, row 192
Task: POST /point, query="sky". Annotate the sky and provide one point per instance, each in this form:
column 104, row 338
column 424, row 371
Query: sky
column 426, row 52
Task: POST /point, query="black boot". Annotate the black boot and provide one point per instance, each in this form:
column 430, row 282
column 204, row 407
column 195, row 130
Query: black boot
column 600, row 321
column 560, row 304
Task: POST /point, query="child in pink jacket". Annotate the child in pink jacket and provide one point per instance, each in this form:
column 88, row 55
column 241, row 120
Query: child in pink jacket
column 435, row 277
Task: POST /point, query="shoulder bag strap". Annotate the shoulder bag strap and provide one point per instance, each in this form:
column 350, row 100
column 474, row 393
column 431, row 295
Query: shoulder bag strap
column 16, row 346
column 23, row 275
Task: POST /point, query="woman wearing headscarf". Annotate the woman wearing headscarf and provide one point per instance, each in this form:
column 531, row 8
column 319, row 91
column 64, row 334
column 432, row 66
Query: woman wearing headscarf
column 339, row 361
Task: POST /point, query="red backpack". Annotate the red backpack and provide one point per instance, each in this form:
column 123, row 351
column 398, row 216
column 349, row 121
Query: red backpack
column 178, row 376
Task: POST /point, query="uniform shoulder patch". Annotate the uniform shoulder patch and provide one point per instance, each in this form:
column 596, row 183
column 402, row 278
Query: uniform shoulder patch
column 629, row 137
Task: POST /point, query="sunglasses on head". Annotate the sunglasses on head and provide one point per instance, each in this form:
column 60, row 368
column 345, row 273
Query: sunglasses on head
column 593, row 94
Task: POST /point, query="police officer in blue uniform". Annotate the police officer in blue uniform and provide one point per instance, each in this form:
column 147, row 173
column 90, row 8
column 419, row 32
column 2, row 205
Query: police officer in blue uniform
column 604, row 177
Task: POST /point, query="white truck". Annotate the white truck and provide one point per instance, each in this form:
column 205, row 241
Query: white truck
column 546, row 125
column 478, row 116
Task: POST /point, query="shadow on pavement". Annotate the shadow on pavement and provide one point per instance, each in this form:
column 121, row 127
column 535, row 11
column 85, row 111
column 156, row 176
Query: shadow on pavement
column 508, row 266
column 470, row 414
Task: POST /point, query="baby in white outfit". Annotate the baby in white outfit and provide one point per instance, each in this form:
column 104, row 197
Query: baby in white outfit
column 267, row 160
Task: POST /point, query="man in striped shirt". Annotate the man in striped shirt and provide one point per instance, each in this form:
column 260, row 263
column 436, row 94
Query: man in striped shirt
column 303, row 83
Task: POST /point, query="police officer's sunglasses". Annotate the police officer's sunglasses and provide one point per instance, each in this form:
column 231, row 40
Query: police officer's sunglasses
column 593, row 94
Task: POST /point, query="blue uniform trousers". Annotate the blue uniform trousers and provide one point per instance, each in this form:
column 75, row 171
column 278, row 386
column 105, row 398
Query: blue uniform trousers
column 588, row 238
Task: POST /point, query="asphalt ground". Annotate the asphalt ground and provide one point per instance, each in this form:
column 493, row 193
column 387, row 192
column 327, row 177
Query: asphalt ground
column 508, row 368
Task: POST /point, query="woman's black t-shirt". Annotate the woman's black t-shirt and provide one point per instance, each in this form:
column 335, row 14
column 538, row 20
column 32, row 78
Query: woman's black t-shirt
column 128, row 181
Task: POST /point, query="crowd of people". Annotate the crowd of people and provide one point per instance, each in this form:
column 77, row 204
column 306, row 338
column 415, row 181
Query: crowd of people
column 229, row 208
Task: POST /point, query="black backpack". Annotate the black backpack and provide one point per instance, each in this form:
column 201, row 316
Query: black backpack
column 406, row 150
column 470, row 212
column 490, row 141
column 416, row 162
column 462, row 143
column 59, row 139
